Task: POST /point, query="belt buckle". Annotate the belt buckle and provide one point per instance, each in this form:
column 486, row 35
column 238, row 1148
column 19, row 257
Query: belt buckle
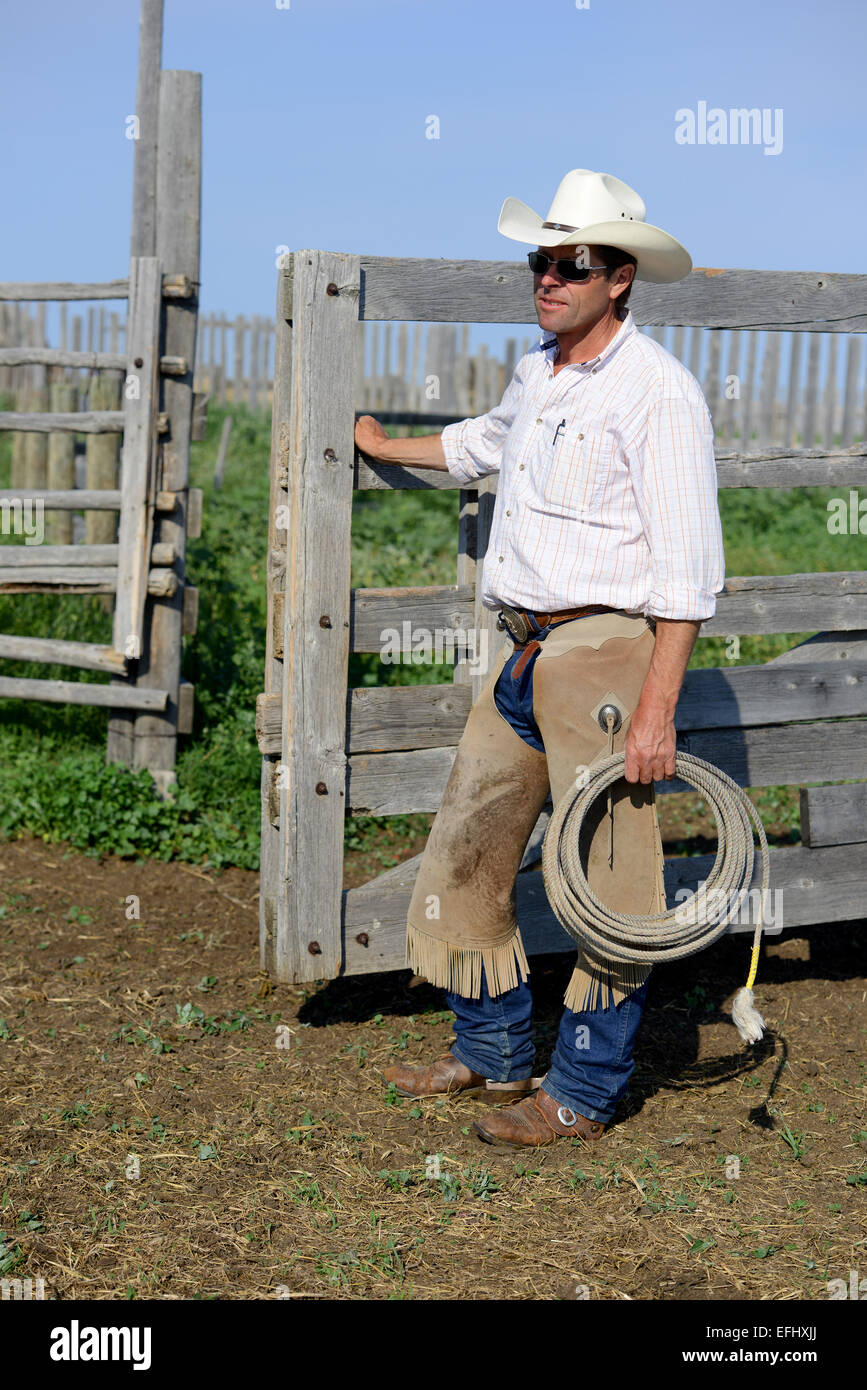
column 515, row 624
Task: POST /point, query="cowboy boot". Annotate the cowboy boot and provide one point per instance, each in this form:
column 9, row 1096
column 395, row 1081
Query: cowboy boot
column 539, row 1119
column 448, row 1076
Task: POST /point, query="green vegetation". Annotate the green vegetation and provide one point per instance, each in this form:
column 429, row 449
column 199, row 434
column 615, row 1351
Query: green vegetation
column 54, row 781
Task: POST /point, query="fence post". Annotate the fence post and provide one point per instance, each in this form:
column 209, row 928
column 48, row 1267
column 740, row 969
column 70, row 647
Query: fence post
column 318, row 451
column 238, row 344
column 179, row 169
column 61, row 461
column 270, row 851
column 811, row 395
column 102, row 452
column 853, row 361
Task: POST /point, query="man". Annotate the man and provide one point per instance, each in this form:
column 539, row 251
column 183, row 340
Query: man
column 604, row 558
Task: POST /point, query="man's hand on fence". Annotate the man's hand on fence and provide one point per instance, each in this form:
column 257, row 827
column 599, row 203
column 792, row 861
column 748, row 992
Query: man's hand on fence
column 369, row 435
column 425, row 451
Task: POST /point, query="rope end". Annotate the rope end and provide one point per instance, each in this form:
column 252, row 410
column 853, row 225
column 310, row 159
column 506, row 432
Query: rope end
column 746, row 1017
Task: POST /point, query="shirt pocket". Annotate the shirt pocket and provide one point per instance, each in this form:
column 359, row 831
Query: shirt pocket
column 574, row 473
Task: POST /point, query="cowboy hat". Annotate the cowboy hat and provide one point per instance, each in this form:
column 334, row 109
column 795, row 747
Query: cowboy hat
column 605, row 211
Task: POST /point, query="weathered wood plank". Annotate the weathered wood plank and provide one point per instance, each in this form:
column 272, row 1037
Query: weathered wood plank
column 161, row 583
column 102, row 458
column 391, row 784
column 174, row 286
column 825, row 646
column 81, row 693
column 178, row 236
column 77, row 421
column 316, row 638
column 35, row 556
column 447, row 291
column 60, row 470
column 772, row 467
column 748, row 604
column 816, row 887
column 373, row 612
column 394, row 718
column 75, row 499
column 835, row 816
column 270, row 857
column 790, row 603
column 58, row 357
column 138, row 482
column 144, row 187
column 51, row 651
column 467, row 567
column 60, row 290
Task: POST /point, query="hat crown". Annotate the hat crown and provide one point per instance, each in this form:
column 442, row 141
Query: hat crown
column 585, row 198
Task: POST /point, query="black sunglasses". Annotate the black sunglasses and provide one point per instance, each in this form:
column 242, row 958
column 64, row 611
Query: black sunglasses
column 568, row 270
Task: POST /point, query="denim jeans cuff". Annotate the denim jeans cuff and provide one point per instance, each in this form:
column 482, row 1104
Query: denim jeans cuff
column 476, row 1065
column 552, row 1087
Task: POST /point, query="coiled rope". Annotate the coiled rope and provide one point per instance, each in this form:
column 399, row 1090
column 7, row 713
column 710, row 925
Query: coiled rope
column 680, row 931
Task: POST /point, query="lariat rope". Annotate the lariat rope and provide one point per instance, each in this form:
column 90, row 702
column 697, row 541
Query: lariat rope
column 681, row 931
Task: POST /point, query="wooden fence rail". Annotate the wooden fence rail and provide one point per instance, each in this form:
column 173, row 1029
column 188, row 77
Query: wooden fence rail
column 765, row 386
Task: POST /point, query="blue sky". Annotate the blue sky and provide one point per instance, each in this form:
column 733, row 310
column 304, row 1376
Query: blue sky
column 315, row 118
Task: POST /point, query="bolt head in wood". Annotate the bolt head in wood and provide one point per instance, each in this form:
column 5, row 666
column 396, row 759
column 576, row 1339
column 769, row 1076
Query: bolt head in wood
column 325, row 621
column 362, row 938
column 332, row 289
column 139, row 362
column 314, row 948
column 321, row 789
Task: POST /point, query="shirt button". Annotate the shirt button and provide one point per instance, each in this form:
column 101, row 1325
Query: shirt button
column 508, row 513
column 580, row 436
column 520, row 466
column 501, row 559
column 593, row 371
column 538, row 422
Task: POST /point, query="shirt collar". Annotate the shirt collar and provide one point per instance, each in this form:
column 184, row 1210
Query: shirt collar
column 627, row 329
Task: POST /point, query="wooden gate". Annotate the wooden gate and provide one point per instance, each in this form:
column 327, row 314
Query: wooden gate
column 144, row 568
column 388, row 751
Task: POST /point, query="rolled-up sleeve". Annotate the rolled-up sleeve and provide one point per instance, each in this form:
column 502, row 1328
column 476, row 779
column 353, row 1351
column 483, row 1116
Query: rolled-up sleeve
column 474, row 447
column 675, row 485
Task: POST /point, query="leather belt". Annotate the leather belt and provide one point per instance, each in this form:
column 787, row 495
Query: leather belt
column 516, row 621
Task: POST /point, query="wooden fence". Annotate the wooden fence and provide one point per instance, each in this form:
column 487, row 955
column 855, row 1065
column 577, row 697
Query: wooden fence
column 768, row 387
column 388, row 751
column 771, row 388
column 135, row 407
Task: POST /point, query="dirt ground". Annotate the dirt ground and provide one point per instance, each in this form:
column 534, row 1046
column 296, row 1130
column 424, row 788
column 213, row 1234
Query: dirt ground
column 176, row 1127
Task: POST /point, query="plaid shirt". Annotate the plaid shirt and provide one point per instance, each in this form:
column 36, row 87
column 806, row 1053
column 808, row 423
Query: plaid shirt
column 607, row 491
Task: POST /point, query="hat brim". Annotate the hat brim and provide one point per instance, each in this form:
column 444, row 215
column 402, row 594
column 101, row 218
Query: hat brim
column 661, row 259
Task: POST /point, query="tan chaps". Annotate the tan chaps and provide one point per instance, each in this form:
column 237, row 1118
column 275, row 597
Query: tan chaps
column 462, row 912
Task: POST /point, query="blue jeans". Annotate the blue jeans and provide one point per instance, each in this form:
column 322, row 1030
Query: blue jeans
column 592, row 1061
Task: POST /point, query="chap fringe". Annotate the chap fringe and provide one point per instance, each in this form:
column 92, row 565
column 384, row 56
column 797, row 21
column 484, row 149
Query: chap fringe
column 459, row 968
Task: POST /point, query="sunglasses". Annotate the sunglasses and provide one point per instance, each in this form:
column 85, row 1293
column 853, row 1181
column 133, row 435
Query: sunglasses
column 568, row 270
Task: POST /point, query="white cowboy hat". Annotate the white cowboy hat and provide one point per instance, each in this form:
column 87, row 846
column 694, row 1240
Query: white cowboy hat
column 605, row 211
